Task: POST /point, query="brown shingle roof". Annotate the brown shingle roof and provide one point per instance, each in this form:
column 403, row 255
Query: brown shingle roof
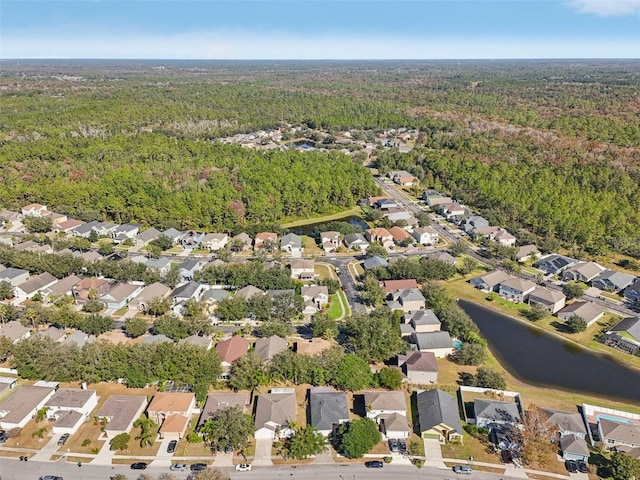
column 171, row 402
column 232, row 349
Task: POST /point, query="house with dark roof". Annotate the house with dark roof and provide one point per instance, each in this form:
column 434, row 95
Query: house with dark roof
column 554, row 264
column 494, row 413
column 189, row 268
column 191, row 239
column 356, row 241
column 14, row 276
column 274, row 411
column 172, row 234
column 439, row 343
column 187, row 291
column 632, row 292
column 438, row 416
column 625, row 335
column 407, row 300
column 327, row 409
column 419, row 368
column 613, row 281
column 143, row 238
column 574, row 448
column 565, row 423
column 128, row 231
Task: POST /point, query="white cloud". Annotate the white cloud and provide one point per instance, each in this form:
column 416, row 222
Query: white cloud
column 607, row 8
column 224, row 45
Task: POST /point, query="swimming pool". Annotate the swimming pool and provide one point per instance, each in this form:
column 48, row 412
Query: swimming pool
column 614, row 419
column 457, row 344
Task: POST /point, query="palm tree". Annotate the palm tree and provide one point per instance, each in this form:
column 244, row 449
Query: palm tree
column 146, row 431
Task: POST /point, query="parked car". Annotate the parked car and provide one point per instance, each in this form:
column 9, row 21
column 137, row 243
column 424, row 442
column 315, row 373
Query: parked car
column 571, row 466
column 393, row 445
column 3, row 436
column 198, row 467
column 178, row 467
column 228, row 449
column 507, row 456
column 337, row 270
column 50, row 477
column 172, row 446
column 63, row 439
column 463, row 469
column 138, row 466
column 374, row 464
column 582, row 466
column 243, row 467
column 402, row 444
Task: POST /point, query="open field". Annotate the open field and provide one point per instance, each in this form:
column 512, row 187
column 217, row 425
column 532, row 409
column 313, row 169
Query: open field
column 325, row 218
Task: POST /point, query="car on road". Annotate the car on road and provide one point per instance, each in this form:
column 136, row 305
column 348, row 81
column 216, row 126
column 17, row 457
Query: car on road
column 178, row 467
column 463, row 469
column 63, row 439
column 172, row 446
column 138, row 466
column 337, row 271
column 571, row 466
column 393, row 445
column 243, row 467
column 3, row 436
column 50, row 477
column 582, row 466
column 198, row 467
column 344, row 288
column 374, row 464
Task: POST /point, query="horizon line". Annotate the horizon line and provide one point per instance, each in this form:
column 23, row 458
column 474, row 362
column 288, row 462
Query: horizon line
column 461, row 59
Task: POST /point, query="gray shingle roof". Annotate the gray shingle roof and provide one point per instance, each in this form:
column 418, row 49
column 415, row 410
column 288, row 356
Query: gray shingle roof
column 431, row 340
column 630, row 325
column 496, row 411
column 327, row 409
column 436, row 407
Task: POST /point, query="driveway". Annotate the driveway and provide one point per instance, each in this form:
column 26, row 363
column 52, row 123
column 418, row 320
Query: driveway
column 433, row 453
column 163, row 459
column 262, row 455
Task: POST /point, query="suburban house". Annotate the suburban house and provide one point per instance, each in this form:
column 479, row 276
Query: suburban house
column 35, row 210
column 619, row 435
column 400, row 235
column 582, row 272
column 439, row 343
column 187, row 291
column 566, row 423
column 61, row 287
column 241, row 242
column 419, row 368
column 88, row 287
column 574, row 448
column 172, row 411
column 67, row 226
column 34, row 285
column 389, row 410
column 504, row 238
column 380, row 235
column 147, row 295
column 189, row 268
column 156, row 338
column 438, row 416
column 14, row 276
column 161, row 265
column 248, row 292
column 451, row 211
column 104, row 229
column 550, row 300
column 215, row 241
column 554, row 264
column 494, row 413
column 442, row 256
column 356, row 241
column 22, row 404
column 274, row 411
column 55, row 334
column 191, row 239
column 434, row 202
column 588, row 311
column 230, row 350
column 143, row 238
column 312, row 347
column 303, row 269
column 327, row 409
column 268, row 347
column 265, row 239
column 330, row 241
column 394, row 286
column 79, row 338
column 121, row 411
column 172, row 234
column 490, row 282
column 426, row 235
column 317, row 294
column 396, row 214
column 14, row 331
column 292, row 244
column 403, row 178
column 632, row 292
column 128, row 231
column 70, row 407
column 472, row 222
column 527, row 252
column 120, row 294
column 203, row 341
column 422, row 321
column 220, row 401
column 375, row 261
column 407, row 300
column 516, row 289
column 624, row 335
column 612, row 281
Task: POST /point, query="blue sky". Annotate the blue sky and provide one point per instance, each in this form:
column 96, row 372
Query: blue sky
column 313, row 29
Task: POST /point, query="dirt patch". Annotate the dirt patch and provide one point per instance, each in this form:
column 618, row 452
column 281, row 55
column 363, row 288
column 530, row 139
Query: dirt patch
column 28, row 437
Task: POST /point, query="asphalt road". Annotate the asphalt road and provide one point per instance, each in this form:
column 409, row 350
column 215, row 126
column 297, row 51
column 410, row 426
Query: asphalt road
column 13, row 469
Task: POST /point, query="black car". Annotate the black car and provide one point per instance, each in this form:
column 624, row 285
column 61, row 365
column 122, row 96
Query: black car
column 582, row 466
column 3, row 436
column 571, row 466
column 507, row 456
column 138, row 466
column 172, row 446
column 198, row 467
column 393, row 445
column 373, row 464
column 403, row 445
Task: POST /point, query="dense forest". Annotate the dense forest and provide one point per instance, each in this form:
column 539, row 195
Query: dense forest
column 552, row 147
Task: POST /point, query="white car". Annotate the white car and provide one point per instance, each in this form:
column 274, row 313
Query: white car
column 178, row 467
column 243, row 467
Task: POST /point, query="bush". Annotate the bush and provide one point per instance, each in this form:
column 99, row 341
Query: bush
column 471, row 429
column 418, row 462
column 386, row 459
column 95, row 450
column 86, row 442
column 193, row 437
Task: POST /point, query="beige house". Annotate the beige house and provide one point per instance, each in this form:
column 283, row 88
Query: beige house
column 550, row 300
column 588, row 311
column 380, row 235
column 150, row 292
column 215, row 241
column 302, row 268
column 172, row 411
column 419, row 368
column 23, row 403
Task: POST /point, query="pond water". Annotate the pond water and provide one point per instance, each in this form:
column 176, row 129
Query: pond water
column 309, row 228
column 540, row 358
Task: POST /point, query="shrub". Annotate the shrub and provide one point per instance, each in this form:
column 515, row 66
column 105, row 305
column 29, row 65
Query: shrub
column 418, row 462
column 193, row 437
column 95, row 450
column 386, row 459
column 86, row 442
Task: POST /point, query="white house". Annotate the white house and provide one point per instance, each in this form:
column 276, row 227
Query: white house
column 215, row 241
column 70, row 407
column 516, row 289
column 426, row 235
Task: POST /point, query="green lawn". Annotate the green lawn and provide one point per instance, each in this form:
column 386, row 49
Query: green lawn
column 334, row 311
